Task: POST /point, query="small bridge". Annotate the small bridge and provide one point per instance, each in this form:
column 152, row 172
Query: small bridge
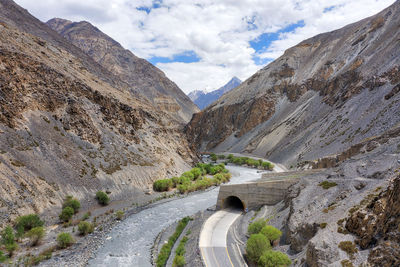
column 269, row 190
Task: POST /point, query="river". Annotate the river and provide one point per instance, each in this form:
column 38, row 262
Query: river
column 129, row 243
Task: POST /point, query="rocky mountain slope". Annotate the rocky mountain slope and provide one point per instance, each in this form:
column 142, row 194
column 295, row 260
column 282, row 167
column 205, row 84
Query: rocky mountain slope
column 319, row 98
column 203, row 99
column 69, row 126
column 142, row 77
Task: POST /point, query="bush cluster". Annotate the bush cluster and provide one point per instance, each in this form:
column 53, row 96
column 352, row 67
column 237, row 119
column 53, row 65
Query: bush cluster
column 26, row 223
column 165, row 251
column 258, row 247
column 195, row 179
column 65, row 240
column 66, row 214
column 102, row 198
column 85, row 228
column 266, row 165
column 36, row 234
column 72, row 202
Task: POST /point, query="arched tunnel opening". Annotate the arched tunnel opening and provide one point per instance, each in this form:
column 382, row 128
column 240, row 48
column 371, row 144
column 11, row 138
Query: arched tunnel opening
column 233, row 202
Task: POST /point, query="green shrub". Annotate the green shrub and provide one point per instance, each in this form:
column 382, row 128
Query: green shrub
column 230, row 157
column 26, row 223
column 271, row 258
column 102, row 198
column 267, row 165
column 66, row 214
column 180, row 250
column 256, row 226
column 165, row 251
column 65, row 240
column 213, row 157
column 120, row 214
column 327, row 184
column 196, row 172
column 221, row 156
column 86, row 216
column 8, row 240
column 162, row 185
column 73, row 203
column 179, row 261
column 271, row 233
column 85, row 228
column 256, row 245
column 189, row 175
column 36, row 235
column 3, row 257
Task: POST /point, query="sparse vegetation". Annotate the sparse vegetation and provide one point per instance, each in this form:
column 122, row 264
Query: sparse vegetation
column 26, row 223
column 3, row 257
column 72, row 202
column 256, row 246
column 323, row 225
column 327, row 184
column 119, row 214
column 102, row 198
column 65, row 240
column 66, row 214
column 86, row 216
column 36, row 234
column 179, row 259
column 85, row 228
column 271, row 258
column 255, row 227
column 346, row 263
column 8, row 240
column 165, row 251
column 349, row 247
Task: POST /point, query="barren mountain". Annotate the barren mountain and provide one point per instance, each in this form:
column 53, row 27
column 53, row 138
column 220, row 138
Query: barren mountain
column 70, row 127
column 142, row 77
column 319, row 98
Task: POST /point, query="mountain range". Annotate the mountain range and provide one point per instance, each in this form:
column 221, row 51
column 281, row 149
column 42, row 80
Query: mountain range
column 203, row 98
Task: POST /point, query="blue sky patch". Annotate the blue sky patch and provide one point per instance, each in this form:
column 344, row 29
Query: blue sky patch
column 186, row 57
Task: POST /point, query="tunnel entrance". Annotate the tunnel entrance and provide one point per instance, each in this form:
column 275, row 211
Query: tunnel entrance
column 233, row 202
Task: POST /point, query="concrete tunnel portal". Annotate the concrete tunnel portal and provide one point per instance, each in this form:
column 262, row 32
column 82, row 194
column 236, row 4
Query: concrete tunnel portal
column 233, row 202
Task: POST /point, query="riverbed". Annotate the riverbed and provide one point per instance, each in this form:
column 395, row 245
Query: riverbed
column 130, row 242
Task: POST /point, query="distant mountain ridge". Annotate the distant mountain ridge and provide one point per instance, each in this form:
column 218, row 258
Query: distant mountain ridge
column 143, row 78
column 203, row 98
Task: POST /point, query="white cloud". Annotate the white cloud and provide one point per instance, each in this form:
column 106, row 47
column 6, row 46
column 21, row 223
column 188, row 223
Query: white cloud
column 219, row 32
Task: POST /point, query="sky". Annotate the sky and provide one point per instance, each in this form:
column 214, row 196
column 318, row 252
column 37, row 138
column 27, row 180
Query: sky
column 202, row 44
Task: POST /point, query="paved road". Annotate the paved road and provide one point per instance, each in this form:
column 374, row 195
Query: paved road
column 213, row 238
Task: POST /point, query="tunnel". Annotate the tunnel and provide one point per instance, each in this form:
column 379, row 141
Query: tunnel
column 233, row 202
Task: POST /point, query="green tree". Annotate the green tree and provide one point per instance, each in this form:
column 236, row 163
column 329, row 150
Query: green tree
column 102, row 198
column 213, row 157
column 256, row 226
column 72, row 202
column 271, row 233
column 36, row 235
column 256, row 245
column 272, row 258
column 66, row 214
column 8, row 240
column 65, row 240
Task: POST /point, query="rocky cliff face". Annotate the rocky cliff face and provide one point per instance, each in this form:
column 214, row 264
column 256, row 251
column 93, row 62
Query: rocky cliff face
column 322, row 96
column 142, row 77
column 64, row 130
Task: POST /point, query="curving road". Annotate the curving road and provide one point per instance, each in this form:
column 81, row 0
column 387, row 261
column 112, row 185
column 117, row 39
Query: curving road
column 213, row 235
column 213, row 238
